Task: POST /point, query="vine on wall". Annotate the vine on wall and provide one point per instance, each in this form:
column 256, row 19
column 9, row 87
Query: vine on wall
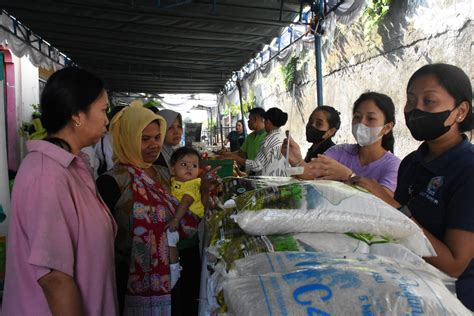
column 234, row 109
column 373, row 15
column 33, row 129
column 289, row 72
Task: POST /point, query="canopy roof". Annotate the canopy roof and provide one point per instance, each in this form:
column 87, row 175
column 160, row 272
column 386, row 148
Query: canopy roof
column 158, row 46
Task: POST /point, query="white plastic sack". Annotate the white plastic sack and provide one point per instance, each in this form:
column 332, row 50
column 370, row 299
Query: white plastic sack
column 329, row 206
column 291, row 260
column 332, row 242
column 310, row 284
column 336, row 242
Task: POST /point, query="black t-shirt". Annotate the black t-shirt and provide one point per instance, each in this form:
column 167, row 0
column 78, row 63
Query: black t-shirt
column 440, row 195
column 236, row 140
column 314, row 151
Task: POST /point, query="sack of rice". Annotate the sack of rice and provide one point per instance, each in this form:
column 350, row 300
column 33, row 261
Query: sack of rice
column 314, row 284
column 359, row 243
column 321, row 206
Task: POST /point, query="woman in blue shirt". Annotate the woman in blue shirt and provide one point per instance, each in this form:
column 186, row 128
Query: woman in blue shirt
column 436, row 182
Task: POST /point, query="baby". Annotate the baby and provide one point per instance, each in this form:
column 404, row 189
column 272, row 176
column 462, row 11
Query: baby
column 186, row 187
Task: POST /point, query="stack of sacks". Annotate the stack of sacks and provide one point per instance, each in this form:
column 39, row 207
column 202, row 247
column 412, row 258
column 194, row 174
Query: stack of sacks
column 326, row 206
column 269, row 214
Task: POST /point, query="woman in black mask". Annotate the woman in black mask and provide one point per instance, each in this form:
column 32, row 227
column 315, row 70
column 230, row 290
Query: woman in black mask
column 322, row 126
column 436, row 182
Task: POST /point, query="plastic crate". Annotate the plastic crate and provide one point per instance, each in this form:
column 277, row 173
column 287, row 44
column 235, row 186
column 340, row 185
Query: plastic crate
column 226, row 169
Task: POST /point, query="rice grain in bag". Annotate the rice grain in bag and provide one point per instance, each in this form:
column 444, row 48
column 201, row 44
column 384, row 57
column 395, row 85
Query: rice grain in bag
column 320, row 206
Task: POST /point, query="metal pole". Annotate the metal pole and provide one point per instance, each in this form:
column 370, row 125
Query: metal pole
column 317, row 51
column 241, row 105
column 209, row 129
column 219, row 121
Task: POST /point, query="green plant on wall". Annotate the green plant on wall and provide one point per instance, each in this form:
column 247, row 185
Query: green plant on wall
column 36, row 111
column 289, row 72
column 231, row 108
column 151, row 103
column 234, row 108
column 373, row 15
column 249, row 102
column 33, row 129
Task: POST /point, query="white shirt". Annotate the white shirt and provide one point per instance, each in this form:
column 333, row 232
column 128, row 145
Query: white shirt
column 269, row 160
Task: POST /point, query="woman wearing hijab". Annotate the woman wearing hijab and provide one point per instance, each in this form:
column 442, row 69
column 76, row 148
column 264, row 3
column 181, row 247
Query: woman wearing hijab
column 172, row 138
column 137, row 192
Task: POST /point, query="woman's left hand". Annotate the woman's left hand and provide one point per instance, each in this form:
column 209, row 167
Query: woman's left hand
column 326, row 168
column 209, row 179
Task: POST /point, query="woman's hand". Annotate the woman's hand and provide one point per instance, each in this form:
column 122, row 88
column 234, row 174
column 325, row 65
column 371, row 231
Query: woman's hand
column 326, row 168
column 294, row 152
column 227, row 155
column 209, row 179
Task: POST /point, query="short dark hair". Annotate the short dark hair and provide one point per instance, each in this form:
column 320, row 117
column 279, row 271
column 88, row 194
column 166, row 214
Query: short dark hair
column 385, row 104
column 67, row 92
column 258, row 112
column 455, row 81
column 276, row 116
column 181, row 152
column 334, row 118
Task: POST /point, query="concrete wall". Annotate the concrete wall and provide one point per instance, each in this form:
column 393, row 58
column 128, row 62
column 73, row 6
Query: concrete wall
column 25, row 88
column 27, row 93
column 412, row 34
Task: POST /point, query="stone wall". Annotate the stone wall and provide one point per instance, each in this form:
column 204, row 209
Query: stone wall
column 412, row 34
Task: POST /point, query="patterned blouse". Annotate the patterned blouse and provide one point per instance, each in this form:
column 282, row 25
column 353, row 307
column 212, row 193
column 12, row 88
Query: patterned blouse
column 269, row 160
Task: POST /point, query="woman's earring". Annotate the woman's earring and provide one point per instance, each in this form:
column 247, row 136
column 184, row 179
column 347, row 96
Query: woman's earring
column 77, row 124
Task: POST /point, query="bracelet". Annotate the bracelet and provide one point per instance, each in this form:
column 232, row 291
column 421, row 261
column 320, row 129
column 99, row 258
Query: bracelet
column 352, row 175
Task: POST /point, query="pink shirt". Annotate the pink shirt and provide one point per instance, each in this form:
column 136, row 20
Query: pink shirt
column 58, row 222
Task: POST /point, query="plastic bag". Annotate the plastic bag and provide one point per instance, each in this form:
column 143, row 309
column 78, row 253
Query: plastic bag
column 320, row 206
column 247, row 245
column 291, row 260
column 221, row 226
column 346, row 243
column 319, row 284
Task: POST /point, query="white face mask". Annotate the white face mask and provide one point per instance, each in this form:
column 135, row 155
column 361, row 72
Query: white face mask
column 365, row 135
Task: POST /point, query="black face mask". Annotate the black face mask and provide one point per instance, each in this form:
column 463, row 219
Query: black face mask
column 314, row 135
column 426, row 126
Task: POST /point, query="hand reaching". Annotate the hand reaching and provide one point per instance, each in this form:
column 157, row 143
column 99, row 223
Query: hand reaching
column 326, row 168
column 209, row 179
column 294, row 153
